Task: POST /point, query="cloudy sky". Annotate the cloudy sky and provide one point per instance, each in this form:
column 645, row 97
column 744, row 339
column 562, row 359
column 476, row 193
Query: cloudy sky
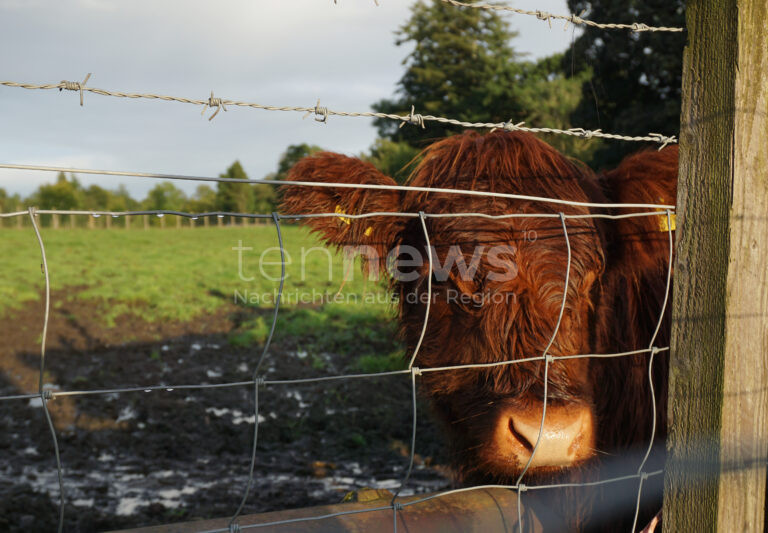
column 277, row 52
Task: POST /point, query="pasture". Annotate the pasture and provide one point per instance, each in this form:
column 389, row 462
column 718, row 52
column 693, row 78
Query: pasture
column 139, row 308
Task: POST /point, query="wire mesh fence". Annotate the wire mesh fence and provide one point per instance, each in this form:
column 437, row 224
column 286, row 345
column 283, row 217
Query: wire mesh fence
column 413, row 372
column 259, row 381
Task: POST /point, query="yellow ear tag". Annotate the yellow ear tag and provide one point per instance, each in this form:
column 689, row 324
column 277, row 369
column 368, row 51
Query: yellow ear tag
column 664, row 225
column 345, row 220
column 368, row 231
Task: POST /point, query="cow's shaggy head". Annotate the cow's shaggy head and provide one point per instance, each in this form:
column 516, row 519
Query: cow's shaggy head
column 498, row 287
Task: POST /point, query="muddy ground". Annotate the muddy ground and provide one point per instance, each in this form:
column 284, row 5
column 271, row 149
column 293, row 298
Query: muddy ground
column 137, row 459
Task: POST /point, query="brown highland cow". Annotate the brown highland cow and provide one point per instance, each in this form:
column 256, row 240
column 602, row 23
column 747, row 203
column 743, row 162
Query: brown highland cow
column 497, row 289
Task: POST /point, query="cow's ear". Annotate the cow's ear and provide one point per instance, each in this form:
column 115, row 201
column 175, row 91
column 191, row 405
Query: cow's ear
column 639, row 246
column 376, row 232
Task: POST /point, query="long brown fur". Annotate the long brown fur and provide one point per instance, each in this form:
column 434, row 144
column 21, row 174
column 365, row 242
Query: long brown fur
column 616, row 287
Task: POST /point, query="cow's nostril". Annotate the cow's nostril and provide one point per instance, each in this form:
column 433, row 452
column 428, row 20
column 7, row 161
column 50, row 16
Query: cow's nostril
column 519, row 436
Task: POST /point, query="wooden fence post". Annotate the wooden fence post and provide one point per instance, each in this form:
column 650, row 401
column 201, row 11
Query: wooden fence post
column 55, row 220
column 178, row 222
column 127, row 221
column 205, row 222
column 108, row 221
column 718, row 410
column 19, row 220
column 146, row 222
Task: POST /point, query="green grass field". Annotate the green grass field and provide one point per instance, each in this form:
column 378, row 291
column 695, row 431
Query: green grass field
column 170, row 274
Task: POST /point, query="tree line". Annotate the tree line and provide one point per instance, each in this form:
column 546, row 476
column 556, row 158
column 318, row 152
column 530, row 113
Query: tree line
column 462, row 64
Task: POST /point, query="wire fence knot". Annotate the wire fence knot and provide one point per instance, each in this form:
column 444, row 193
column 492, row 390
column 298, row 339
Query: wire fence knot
column 414, row 118
column 586, row 134
column 639, row 26
column 234, row 527
column 543, row 15
column 212, row 102
column 663, row 139
column 397, row 506
column 320, row 112
column 48, row 394
column 574, row 19
column 415, row 370
column 521, row 487
column 75, row 86
column 259, row 380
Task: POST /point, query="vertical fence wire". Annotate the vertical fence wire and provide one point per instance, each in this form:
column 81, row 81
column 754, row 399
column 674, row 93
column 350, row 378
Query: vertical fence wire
column 258, row 381
column 45, row 395
column 654, row 350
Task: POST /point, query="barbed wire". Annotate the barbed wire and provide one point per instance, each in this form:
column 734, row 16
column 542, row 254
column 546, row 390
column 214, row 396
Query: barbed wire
column 322, row 113
column 569, row 19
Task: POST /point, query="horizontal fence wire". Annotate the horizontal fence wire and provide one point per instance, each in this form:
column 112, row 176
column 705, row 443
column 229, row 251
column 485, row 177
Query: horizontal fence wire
column 52, row 394
column 322, row 113
column 569, row 19
column 332, row 185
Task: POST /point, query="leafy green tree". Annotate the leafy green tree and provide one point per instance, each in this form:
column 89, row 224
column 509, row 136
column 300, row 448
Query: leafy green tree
column 203, row 201
column 549, row 96
column 9, row 202
column 462, row 65
column 264, row 199
column 121, row 200
column 63, row 194
column 164, row 196
column 232, row 196
column 96, row 198
column 395, row 159
column 636, row 76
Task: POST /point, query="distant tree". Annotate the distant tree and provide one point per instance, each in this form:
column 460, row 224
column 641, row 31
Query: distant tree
column 9, row 202
column 121, row 200
column 164, row 196
column 395, row 159
column 462, row 65
column 636, row 76
column 96, row 198
column 549, row 96
column 63, row 194
column 234, row 197
column 203, row 201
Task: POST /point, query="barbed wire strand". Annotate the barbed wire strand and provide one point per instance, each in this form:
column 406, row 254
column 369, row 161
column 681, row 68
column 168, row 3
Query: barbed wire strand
column 370, row 186
column 44, row 395
column 323, row 113
column 572, row 18
column 654, row 350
